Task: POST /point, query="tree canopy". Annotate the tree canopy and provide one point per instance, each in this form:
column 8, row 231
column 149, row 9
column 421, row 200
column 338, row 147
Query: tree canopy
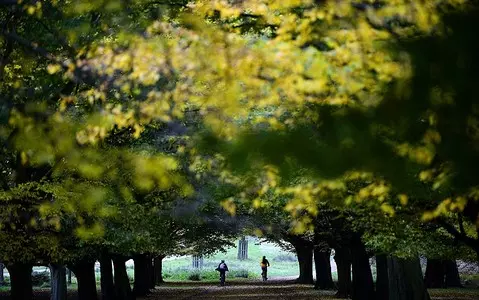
column 158, row 128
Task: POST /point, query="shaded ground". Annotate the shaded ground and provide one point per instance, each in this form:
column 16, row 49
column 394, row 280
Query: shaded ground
column 252, row 290
column 273, row 290
column 277, row 289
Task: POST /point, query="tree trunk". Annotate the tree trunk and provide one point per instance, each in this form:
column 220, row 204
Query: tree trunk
column 69, row 276
column 342, row 257
column 58, row 275
column 158, row 270
column 2, row 277
column 141, row 286
column 322, row 261
column 405, row 280
column 106, row 279
column 122, row 282
column 20, row 281
column 382, row 278
column 151, row 272
column 305, row 260
column 363, row 284
column 85, row 274
column 452, row 274
column 243, row 248
column 435, row 272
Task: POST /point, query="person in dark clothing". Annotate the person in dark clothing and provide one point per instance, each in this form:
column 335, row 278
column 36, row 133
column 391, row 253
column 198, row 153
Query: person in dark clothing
column 264, row 268
column 222, row 268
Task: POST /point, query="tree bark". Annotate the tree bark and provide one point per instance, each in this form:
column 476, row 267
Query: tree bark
column 452, row 274
column 151, row 272
column 158, row 270
column 342, row 257
column 122, row 282
column 85, row 274
column 405, row 280
column 2, row 276
column 58, row 274
column 305, row 260
column 20, row 281
column 382, row 278
column 243, row 248
column 69, row 276
column 363, row 284
column 322, row 261
column 106, row 280
column 141, row 286
column 435, row 272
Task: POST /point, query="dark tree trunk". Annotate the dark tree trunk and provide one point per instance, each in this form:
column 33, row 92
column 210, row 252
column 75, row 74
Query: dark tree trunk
column 20, row 281
column 452, row 274
column 158, row 270
column 58, row 275
column 322, row 261
column 382, row 278
column 151, row 272
column 85, row 274
column 435, row 272
column 2, row 277
column 141, row 286
column 305, row 260
column 122, row 282
column 405, row 280
column 106, row 280
column 363, row 284
column 69, row 276
column 342, row 257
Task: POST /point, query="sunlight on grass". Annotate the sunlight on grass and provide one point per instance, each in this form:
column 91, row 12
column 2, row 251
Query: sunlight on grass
column 283, row 263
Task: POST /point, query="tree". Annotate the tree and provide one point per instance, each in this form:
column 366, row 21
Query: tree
column 338, row 89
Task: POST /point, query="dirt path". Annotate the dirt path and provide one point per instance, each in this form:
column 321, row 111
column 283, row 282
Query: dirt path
column 273, row 290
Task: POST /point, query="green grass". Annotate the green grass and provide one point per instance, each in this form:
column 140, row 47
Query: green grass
column 283, row 263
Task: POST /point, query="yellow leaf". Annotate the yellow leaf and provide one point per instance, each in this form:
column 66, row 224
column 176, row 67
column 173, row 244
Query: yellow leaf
column 403, row 199
column 256, row 203
column 52, row 69
column 31, row 10
column 427, row 216
column 258, row 232
column 24, row 158
column 229, row 206
column 388, row 209
column 138, row 130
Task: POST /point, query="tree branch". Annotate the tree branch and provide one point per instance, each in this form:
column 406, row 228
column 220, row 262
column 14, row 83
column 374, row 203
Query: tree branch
column 12, row 36
column 82, row 72
column 461, row 224
column 469, row 241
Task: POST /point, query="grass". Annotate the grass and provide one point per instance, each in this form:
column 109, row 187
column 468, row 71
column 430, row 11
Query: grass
column 283, row 263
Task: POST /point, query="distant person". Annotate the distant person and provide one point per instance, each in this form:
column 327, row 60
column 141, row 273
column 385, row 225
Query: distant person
column 264, row 268
column 222, row 268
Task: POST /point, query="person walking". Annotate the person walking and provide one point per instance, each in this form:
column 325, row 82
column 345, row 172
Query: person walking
column 264, row 268
column 222, row 268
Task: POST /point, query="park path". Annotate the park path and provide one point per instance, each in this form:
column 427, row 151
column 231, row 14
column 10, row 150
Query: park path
column 276, row 288
column 279, row 288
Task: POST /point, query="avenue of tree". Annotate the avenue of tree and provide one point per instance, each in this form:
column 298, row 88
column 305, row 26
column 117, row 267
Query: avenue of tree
column 139, row 129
